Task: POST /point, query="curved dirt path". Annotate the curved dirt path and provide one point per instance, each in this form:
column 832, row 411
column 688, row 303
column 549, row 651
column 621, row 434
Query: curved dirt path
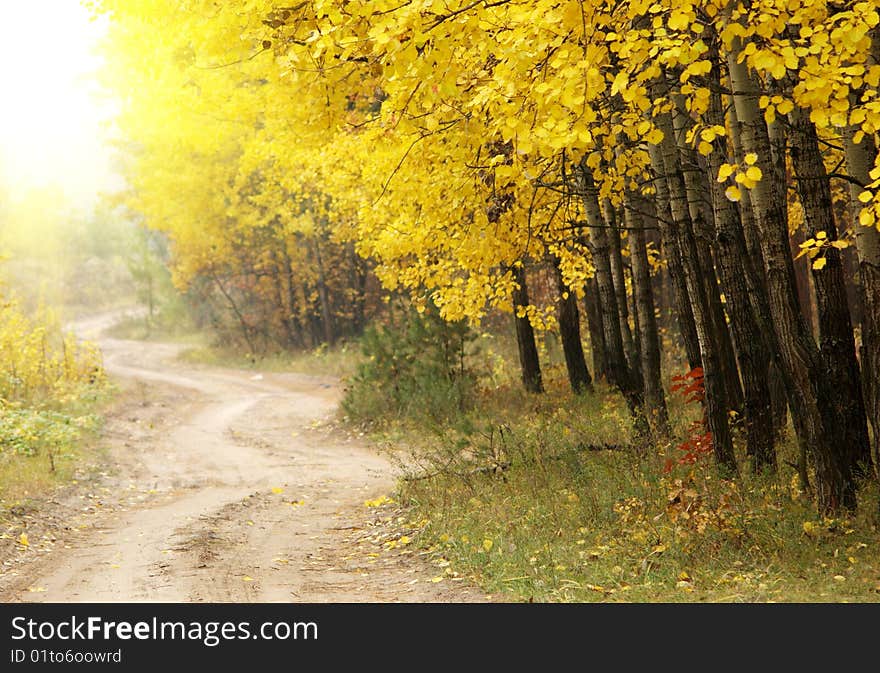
column 220, row 488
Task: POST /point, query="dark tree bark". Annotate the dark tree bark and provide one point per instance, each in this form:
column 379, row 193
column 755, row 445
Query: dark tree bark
column 618, row 371
column 683, row 311
column 328, row 331
column 597, row 331
column 710, row 352
column 752, row 351
column 836, row 342
column 291, row 335
column 756, row 280
column 649, row 341
column 701, row 228
column 860, row 160
column 810, row 393
column 619, row 277
column 525, row 336
column 570, row 334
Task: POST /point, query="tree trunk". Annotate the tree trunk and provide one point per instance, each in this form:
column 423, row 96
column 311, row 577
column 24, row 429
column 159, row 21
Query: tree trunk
column 359, row 286
column 701, row 228
column 525, row 336
column 836, row 342
column 618, row 372
column 860, row 158
column 752, row 351
column 756, row 279
column 713, row 373
column 683, row 311
column 798, row 353
column 285, row 317
column 649, row 342
column 324, row 297
column 570, row 334
column 596, row 329
column 619, row 277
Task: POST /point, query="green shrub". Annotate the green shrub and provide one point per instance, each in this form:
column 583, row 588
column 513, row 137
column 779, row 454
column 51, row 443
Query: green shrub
column 30, row 432
column 418, row 368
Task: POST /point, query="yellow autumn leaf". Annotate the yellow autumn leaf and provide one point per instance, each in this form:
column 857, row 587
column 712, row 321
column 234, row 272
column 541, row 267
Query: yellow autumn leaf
column 655, row 137
column 751, row 158
column 247, row 578
column 819, row 263
column 378, row 502
column 488, row 544
column 277, row 490
column 865, row 196
column 23, row 540
column 678, row 20
column 785, row 107
column 753, row 173
column 726, row 170
column 732, row 193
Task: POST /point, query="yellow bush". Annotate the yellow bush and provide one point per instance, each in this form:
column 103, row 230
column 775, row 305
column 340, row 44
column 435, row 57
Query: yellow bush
column 44, row 375
column 40, row 364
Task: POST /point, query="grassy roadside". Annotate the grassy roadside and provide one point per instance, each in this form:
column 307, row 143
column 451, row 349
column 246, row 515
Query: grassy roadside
column 340, row 360
column 544, row 498
column 47, row 449
column 567, row 520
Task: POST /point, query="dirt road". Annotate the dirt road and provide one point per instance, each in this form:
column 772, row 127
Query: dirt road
column 219, row 487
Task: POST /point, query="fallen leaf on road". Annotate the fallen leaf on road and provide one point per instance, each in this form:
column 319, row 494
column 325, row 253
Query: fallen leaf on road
column 378, row 502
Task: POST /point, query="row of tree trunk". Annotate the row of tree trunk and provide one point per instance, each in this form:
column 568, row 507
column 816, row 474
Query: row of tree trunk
column 756, row 348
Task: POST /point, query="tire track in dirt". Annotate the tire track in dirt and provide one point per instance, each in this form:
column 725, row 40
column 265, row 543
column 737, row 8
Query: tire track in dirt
column 229, row 496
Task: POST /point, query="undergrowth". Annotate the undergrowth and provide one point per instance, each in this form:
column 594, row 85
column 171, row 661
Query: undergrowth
column 50, row 387
column 544, row 498
column 339, row 360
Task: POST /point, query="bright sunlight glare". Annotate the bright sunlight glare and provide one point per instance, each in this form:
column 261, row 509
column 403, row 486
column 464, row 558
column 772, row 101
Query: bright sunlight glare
column 52, row 114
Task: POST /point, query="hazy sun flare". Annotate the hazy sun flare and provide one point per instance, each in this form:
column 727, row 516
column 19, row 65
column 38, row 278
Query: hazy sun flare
column 51, row 115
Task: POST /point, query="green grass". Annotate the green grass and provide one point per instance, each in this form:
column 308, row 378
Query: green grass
column 43, row 450
column 339, row 360
column 543, row 498
column 136, row 328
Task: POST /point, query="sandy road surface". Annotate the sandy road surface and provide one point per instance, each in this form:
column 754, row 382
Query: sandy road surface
column 220, row 489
